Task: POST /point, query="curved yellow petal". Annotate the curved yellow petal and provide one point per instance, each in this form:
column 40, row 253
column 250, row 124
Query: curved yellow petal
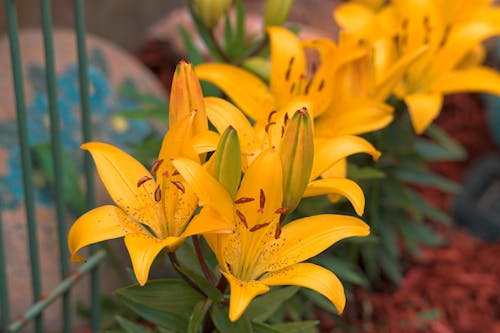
column 342, row 186
column 206, row 187
column 288, row 63
column 423, row 109
column 205, row 142
column 475, row 79
column 98, row 224
column 306, row 237
column 143, row 249
column 178, row 141
column 245, row 89
column 328, row 152
column 310, row 276
column 120, row 174
column 208, row 221
column 355, row 19
column 354, row 117
column 223, row 114
column 242, row 293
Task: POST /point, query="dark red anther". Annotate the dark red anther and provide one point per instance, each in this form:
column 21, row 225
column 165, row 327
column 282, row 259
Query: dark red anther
column 175, row 173
column 269, row 125
column 277, row 232
column 285, row 121
column 321, row 85
column 259, row 226
column 156, row 166
column 262, row 201
column 242, row 218
column 142, row 180
column 282, row 131
column 281, row 210
column 157, row 194
column 271, row 114
column 289, row 69
column 179, row 186
column 243, row 200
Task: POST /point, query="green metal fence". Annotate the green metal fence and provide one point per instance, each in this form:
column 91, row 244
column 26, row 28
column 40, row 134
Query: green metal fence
column 42, row 299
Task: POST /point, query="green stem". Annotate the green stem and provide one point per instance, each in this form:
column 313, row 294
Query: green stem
column 201, row 260
column 175, row 263
column 218, row 48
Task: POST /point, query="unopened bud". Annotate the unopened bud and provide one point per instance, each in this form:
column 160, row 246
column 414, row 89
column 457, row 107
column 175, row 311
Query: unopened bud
column 296, row 152
column 276, row 11
column 210, row 11
column 227, row 164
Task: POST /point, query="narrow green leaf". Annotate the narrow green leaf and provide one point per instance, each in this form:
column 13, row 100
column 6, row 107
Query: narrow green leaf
column 193, row 54
column 361, row 173
column 433, row 152
column 239, row 35
column 212, row 292
column 131, row 327
column 427, row 209
column 263, row 328
column 297, row 327
column 220, row 317
column 345, row 270
column 199, row 312
column 442, row 138
column 390, row 265
column 264, row 306
column 428, row 178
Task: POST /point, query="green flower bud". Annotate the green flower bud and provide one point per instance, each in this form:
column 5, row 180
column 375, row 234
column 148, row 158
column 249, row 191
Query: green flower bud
column 276, row 11
column 297, row 152
column 210, row 11
column 227, row 165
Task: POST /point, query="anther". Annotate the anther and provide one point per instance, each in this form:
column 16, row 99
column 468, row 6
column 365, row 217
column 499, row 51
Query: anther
column 175, row 173
column 156, row 166
column 166, row 174
column 321, row 85
column 142, row 180
column 289, row 70
column 277, row 232
column 271, row 114
column 157, row 194
column 259, row 226
column 282, row 131
column 308, row 86
column 285, row 121
column 292, row 88
column 179, row 186
column 269, row 125
column 262, row 201
column 281, row 210
column 243, row 200
column 242, row 218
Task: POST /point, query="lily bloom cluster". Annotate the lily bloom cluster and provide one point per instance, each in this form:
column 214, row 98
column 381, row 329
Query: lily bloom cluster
column 241, row 216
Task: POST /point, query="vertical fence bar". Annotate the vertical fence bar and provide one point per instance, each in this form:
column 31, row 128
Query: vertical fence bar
column 22, row 127
column 79, row 13
column 56, row 148
column 4, row 291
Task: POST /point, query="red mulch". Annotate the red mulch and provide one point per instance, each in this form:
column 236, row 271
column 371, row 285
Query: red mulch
column 452, row 289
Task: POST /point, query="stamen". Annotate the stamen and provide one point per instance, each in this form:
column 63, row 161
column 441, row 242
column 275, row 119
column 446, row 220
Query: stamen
column 269, row 125
column 157, row 194
column 242, row 218
column 142, row 180
column 281, row 210
column 179, row 186
column 292, row 88
column 277, row 232
column 258, row 226
column 321, row 85
column 286, row 119
column 262, row 201
column 243, row 200
column 282, row 131
column 308, row 86
column 270, row 116
column 156, row 166
column 176, row 172
column 289, row 70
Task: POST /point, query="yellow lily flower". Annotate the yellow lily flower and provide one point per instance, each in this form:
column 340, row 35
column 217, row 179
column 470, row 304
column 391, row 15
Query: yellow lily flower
column 154, row 210
column 451, row 32
column 260, row 254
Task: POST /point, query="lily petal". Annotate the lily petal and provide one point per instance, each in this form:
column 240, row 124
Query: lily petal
column 205, row 142
column 476, row 79
column 355, row 18
column 342, row 186
column 248, row 91
column 288, row 63
column 306, row 237
column 313, row 277
column 120, row 173
column 329, row 152
column 99, row 224
column 208, row 221
column 242, row 293
column 143, row 249
column 206, row 187
column 423, row 109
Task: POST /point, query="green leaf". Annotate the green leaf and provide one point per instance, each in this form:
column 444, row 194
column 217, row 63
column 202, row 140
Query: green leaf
column 297, row 327
column 175, row 323
column 220, row 318
column 204, row 33
column 131, row 327
column 390, row 265
column 319, row 300
column 264, row 328
column 157, row 112
column 427, row 209
column 168, row 295
column 211, row 291
column 239, row 36
column 361, row 173
column 443, row 139
column 264, row 306
column 345, row 270
column 427, row 178
column 199, row 312
column 192, row 52
column 433, row 152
